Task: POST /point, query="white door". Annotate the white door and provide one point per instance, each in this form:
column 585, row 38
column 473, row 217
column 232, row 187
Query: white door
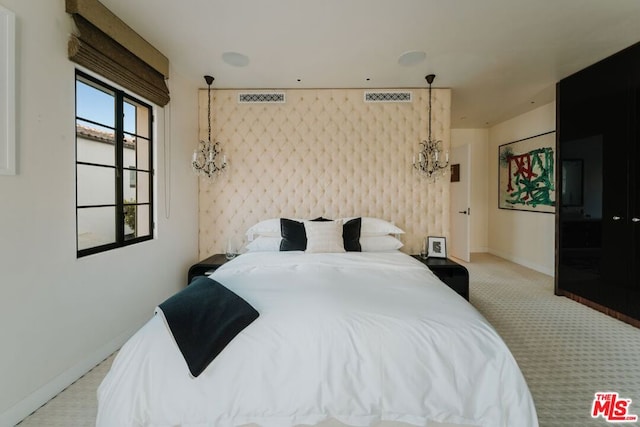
column 460, row 209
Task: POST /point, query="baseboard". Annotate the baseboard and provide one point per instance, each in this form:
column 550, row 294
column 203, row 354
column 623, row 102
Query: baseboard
column 601, row 308
column 35, row 400
column 523, row 262
column 479, row 250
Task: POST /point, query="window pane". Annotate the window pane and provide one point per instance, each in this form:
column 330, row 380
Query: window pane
column 96, row 185
column 95, row 103
column 143, row 150
column 95, row 144
column 136, row 221
column 143, row 221
column 129, row 154
column 130, row 186
column 136, row 118
column 96, row 227
column 129, row 117
column 135, row 186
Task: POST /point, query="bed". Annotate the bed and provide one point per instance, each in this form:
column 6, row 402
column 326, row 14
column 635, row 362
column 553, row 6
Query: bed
column 352, row 338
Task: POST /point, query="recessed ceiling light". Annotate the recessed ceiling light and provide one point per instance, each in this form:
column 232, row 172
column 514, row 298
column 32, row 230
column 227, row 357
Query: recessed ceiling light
column 236, row 59
column 412, row 57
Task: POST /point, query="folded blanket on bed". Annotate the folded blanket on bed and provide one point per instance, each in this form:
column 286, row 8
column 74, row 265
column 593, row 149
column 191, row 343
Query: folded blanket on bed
column 203, row 318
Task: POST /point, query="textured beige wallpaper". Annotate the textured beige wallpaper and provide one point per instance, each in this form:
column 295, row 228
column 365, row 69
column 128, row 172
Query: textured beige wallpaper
column 324, row 152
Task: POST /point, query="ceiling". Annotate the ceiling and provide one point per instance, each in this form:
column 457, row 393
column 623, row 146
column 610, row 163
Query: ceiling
column 500, row 57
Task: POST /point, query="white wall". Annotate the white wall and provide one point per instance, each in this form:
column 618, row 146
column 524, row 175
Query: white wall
column 527, row 238
column 60, row 315
column 478, row 140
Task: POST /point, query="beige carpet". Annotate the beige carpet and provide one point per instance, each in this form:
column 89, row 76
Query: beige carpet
column 566, row 351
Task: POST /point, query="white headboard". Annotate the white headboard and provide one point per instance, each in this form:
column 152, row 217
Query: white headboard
column 323, row 152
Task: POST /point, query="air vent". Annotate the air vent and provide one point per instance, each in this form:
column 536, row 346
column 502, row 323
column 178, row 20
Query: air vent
column 261, row 98
column 387, row 96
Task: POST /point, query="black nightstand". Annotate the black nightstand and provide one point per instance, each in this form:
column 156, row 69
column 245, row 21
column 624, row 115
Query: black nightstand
column 209, row 264
column 456, row 276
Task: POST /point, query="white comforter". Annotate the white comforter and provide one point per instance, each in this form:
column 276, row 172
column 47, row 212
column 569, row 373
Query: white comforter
column 356, row 337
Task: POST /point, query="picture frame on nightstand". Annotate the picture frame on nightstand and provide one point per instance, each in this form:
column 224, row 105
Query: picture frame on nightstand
column 436, row 247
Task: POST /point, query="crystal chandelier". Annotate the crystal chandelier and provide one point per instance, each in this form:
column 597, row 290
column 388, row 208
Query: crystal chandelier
column 206, row 158
column 430, row 160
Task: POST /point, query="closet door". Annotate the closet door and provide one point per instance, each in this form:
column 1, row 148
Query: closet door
column 580, row 195
column 617, row 242
column 593, row 131
column 634, row 177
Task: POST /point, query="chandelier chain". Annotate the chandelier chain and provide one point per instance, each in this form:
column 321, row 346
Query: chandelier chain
column 209, row 111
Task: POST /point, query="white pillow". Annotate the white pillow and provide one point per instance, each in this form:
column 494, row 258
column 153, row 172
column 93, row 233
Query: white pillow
column 264, row 244
column 379, row 243
column 376, row 227
column 268, row 227
column 324, row 236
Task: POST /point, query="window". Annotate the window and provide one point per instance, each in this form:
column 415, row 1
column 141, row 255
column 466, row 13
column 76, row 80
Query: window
column 114, row 175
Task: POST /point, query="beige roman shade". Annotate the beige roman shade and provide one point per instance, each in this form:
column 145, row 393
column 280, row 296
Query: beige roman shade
column 103, row 43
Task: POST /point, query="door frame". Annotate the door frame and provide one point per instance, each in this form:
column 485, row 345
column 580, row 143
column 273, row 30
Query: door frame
column 465, row 174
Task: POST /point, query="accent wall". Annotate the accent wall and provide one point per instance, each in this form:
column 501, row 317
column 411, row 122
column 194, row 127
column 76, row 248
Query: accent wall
column 324, row 152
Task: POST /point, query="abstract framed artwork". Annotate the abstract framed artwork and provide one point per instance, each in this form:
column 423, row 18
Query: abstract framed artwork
column 436, row 247
column 7, row 92
column 526, row 174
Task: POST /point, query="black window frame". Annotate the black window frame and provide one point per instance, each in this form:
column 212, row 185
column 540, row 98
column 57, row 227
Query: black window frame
column 122, row 171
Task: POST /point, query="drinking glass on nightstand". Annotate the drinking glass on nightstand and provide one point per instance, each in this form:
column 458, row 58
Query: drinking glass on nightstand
column 424, row 249
column 230, row 251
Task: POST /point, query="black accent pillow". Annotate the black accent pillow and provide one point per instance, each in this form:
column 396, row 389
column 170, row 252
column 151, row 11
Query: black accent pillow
column 204, row 317
column 294, row 238
column 351, row 235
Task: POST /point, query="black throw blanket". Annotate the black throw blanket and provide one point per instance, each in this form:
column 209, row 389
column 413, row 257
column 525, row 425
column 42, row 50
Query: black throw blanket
column 203, row 318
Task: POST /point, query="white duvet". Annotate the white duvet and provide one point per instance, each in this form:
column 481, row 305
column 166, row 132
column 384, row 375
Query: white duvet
column 358, row 337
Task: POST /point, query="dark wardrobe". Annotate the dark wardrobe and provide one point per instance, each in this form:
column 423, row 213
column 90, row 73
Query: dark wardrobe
column 598, row 187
